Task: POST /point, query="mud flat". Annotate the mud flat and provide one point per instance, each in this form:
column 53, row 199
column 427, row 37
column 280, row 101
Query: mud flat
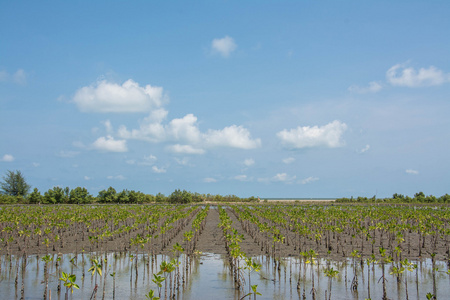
column 295, row 246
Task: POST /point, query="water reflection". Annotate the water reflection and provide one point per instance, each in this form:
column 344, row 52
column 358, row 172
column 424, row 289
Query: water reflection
column 207, row 276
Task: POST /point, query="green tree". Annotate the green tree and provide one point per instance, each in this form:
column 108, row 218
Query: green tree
column 136, row 197
column 80, row 195
column 160, row 197
column 35, row 196
column 14, row 184
column 122, row 197
column 180, row 197
column 55, row 195
column 107, row 196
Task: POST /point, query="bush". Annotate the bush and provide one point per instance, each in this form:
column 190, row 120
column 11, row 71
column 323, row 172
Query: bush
column 7, row 199
column 183, row 197
column 35, row 196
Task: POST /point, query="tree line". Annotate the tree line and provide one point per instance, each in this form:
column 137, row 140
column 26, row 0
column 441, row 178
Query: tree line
column 419, row 197
column 15, row 189
column 80, row 195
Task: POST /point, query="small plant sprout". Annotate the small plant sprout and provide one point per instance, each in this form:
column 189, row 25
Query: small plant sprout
column 96, row 268
column 254, row 292
column 69, row 283
column 158, row 279
column 151, row 295
column 331, row 273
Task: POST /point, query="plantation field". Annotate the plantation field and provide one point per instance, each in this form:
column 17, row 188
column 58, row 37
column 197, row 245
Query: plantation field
column 303, row 251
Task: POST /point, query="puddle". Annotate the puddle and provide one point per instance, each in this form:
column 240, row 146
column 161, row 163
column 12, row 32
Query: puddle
column 209, row 277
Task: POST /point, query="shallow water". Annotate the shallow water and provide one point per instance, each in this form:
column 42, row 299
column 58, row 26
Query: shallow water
column 209, row 277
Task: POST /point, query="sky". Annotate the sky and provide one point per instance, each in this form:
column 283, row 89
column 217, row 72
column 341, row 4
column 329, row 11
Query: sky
column 251, row 98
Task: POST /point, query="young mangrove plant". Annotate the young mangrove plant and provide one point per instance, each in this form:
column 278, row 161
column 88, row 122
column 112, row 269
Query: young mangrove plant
column 69, row 283
column 330, row 273
column 95, row 269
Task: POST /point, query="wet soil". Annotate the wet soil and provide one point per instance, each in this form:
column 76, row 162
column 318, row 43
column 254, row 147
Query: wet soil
column 75, row 239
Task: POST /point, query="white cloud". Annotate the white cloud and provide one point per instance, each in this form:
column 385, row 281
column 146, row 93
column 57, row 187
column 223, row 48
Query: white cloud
column 209, row 180
column 329, row 135
column 158, row 170
column 399, row 75
column 372, row 88
column 283, row 177
column 150, row 157
column 289, row 160
column 232, row 136
column 186, row 149
column 117, row 177
column 35, row 164
column 308, row 180
column 242, row 178
column 249, row 162
column 7, row 158
column 109, row 144
column 148, row 160
column 365, row 149
column 105, row 97
column 184, row 129
column 87, row 178
column 150, row 129
column 411, row 171
column 224, row 46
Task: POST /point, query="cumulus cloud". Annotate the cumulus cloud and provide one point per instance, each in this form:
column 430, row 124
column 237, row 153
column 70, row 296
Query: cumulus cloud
column 186, row 149
column 283, row 177
column 7, row 158
column 308, row 180
column 150, row 157
column 187, row 135
column 400, row 75
column 249, row 162
column 107, row 97
column 159, row 170
column 411, row 171
column 288, row 160
column 372, row 88
column 232, row 136
column 241, row 178
column 109, row 144
column 148, row 160
column 184, row 129
column 150, row 129
column 329, row 135
column 223, row 46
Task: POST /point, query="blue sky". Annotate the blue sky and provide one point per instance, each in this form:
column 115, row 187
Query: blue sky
column 263, row 98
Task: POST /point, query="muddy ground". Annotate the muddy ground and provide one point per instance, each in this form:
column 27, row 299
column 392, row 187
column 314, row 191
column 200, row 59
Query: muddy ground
column 211, row 240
